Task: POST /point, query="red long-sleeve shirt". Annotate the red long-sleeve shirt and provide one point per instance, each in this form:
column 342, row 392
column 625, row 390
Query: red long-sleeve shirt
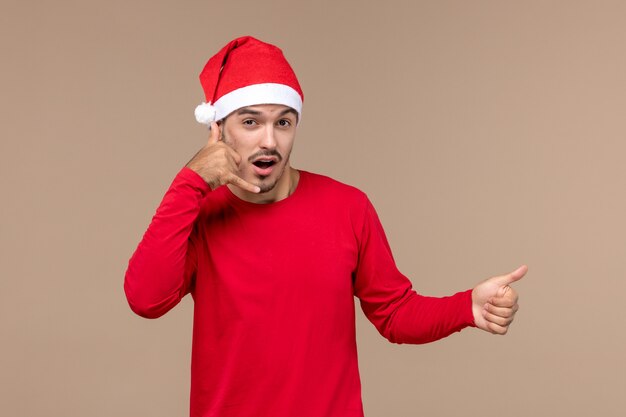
column 273, row 288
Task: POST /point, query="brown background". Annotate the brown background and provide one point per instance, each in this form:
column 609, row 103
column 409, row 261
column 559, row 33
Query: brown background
column 487, row 133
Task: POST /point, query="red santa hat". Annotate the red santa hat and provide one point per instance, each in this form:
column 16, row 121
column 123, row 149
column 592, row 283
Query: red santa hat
column 247, row 72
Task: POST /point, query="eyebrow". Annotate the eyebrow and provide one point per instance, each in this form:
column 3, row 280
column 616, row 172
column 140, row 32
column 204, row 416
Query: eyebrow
column 246, row 110
column 289, row 110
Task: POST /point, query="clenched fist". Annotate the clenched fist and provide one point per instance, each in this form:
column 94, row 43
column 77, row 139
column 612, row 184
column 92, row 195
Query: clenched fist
column 494, row 302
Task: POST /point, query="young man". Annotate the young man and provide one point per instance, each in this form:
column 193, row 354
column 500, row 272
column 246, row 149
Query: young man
column 274, row 256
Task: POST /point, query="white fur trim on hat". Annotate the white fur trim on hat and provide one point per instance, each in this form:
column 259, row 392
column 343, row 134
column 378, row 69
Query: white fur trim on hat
column 268, row 93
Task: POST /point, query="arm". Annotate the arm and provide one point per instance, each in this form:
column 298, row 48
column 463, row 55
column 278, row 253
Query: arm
column 403, row 316
column 399, row 313
column 161, row 270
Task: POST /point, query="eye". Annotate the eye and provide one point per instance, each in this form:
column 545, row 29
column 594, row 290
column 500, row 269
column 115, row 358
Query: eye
column 284, row 123
column 249, row 122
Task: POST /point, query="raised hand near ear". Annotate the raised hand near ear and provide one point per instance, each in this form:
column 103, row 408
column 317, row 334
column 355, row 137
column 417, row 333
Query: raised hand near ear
column 494, row 302
column 218, row 164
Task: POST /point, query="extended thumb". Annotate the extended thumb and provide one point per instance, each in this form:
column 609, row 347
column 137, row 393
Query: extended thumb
column 214, row 133
column 515, row 275
column 507, row 279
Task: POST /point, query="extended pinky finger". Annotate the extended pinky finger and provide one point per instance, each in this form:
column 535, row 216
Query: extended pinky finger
column 243, row 184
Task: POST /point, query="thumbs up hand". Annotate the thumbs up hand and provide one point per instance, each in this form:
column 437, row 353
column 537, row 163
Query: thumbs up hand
column 494, row 302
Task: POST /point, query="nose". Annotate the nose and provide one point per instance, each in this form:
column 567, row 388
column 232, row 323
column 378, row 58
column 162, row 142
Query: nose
column 268, row 141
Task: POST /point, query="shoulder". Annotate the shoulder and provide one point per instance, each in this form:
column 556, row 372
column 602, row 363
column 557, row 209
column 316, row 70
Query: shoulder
column 331, row 200
column 329, row 187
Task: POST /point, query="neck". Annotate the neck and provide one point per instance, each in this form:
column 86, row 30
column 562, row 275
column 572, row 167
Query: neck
column 285, row 186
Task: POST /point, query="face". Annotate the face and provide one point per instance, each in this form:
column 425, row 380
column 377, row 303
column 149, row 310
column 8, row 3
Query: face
column 263, row 136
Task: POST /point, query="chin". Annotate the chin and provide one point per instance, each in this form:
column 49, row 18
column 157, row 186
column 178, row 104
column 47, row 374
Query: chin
column 266, row 187
column 267, row 184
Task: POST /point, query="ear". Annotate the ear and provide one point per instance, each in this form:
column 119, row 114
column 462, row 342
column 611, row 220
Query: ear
column 220, row 125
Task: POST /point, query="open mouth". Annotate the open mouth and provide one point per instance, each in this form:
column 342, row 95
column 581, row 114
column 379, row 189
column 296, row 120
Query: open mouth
column 264, row 163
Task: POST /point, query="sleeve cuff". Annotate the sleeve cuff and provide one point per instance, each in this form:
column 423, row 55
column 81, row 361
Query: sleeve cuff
column 467, row 312
column 189, row 176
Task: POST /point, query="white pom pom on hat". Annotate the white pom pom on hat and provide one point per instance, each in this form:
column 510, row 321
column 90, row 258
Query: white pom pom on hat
column 205, row 113
column 243, row 73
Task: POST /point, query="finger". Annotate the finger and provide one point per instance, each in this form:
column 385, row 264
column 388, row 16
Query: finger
column 500, row 321
column 503, row 302
column 501, row 311
column 214, row 136
column 506, row 292
column 513, row 276
column 497, row 329
column 243, row 184
column 505, row 297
